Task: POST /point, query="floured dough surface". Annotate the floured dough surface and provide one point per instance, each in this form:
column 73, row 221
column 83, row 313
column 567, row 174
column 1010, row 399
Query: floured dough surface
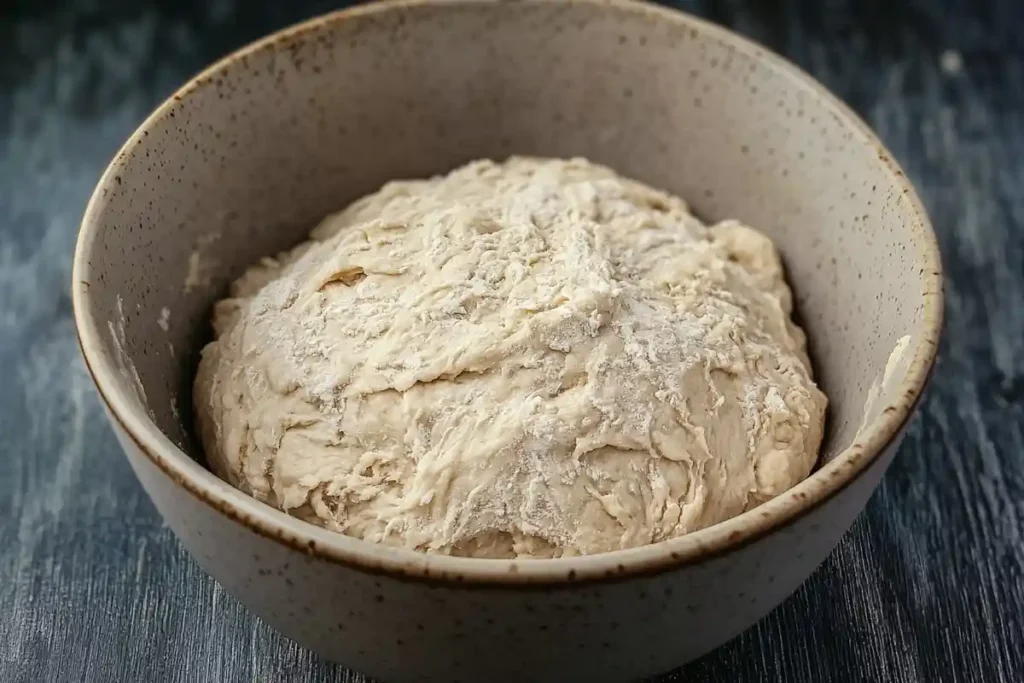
column 532, row 358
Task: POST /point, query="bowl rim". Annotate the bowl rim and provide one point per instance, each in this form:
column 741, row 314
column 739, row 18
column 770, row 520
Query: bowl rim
column 366, row 556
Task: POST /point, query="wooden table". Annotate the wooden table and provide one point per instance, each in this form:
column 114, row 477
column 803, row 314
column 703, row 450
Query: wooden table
column 929, row 584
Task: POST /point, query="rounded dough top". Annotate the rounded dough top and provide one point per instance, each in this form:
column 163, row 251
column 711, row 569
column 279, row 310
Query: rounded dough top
column 534, row 358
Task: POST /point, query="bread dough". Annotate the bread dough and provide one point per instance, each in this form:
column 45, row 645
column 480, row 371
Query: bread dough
column 533, row 358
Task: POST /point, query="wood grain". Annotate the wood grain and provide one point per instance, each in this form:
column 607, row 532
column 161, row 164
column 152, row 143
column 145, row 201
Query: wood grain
column 928, row 586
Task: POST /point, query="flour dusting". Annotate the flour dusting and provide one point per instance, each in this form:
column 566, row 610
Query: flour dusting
column 125, row 366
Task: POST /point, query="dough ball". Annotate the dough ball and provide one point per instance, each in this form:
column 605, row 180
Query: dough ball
column 533, row 358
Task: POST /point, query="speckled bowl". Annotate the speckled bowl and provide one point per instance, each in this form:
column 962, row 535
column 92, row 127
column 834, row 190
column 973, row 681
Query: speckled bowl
column 244, row 159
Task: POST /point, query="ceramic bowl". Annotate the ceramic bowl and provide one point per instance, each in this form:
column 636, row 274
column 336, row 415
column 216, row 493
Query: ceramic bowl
column 244, row 160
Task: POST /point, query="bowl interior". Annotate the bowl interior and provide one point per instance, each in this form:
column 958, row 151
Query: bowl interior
column 248, row 157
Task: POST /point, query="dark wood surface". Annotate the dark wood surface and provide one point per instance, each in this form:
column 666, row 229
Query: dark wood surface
column 929, row 584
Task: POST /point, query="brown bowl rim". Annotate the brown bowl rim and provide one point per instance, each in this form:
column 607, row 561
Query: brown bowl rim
column 365, row 556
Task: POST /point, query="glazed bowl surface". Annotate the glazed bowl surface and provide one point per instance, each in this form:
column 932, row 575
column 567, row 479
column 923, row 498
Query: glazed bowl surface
column 244, row 160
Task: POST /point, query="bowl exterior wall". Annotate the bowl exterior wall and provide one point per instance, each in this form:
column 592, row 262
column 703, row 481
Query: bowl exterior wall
column 418, row 630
